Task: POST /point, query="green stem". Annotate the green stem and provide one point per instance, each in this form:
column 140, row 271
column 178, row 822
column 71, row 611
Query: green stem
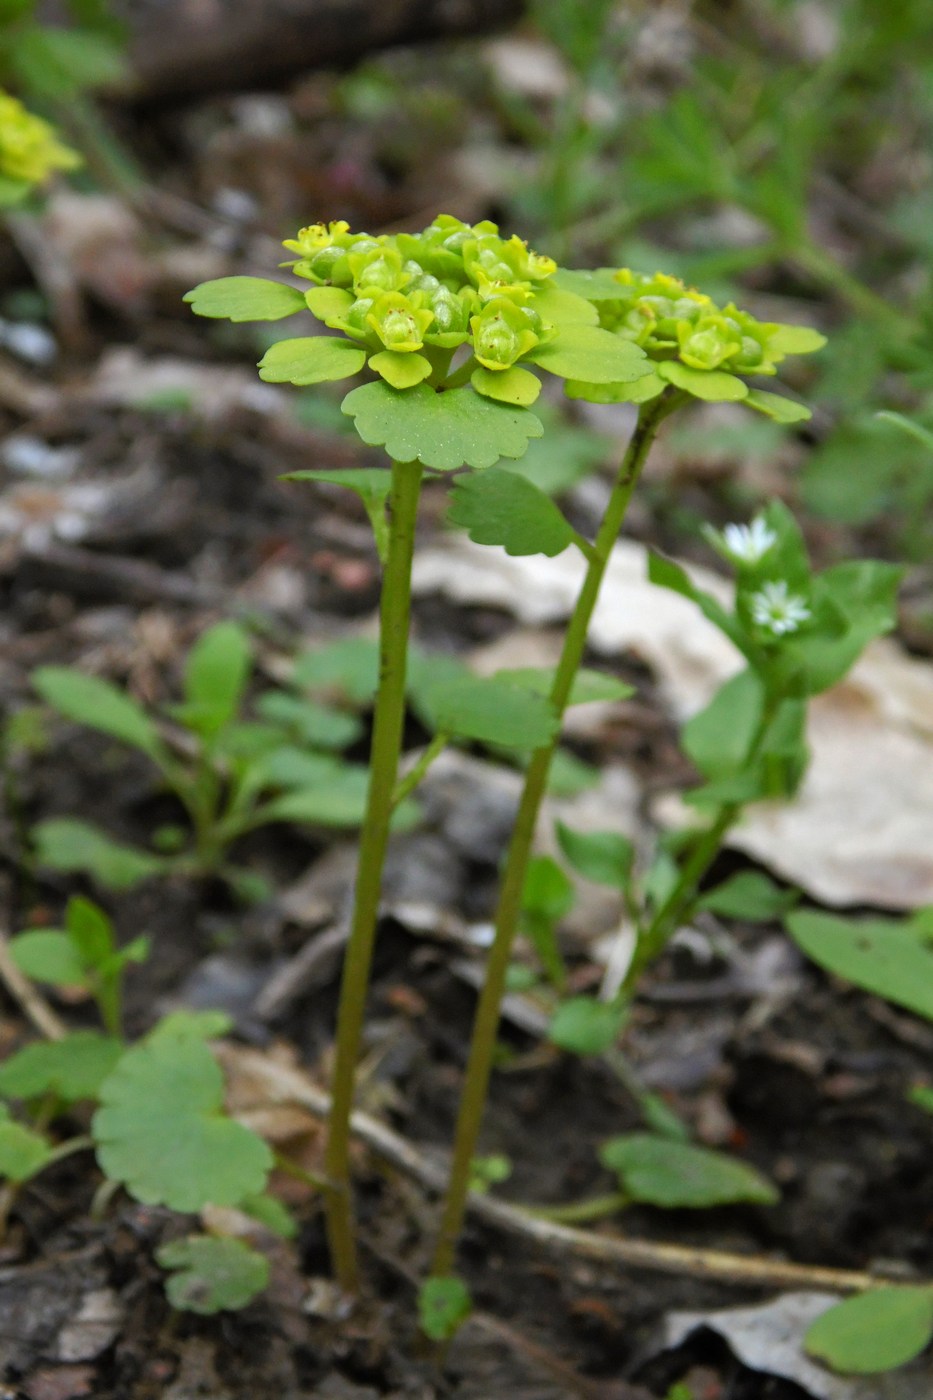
column 594, row 1208
column 486, row 1024
column 668, row 917
column 411, row 779
column 395, row 608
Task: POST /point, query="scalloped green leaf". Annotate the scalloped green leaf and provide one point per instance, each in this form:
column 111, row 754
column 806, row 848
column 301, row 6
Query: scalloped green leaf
column 401, row 370
column 649, row 386
column 74, row 846
column 162, row 1132
column 515, row 385
column 499, row 507
column 99, row 705
column 777, row 407
column 662, row 1172
column 796, row 340
column 311, row 359
column 441, row 430
column 23, row 1153
column 595, row 284
column 245, row 299
column 711, row 385
column 591, row 354
column 373, row 485
column 212, row 1274
column 875, row 1331
column 72, row 1068
column 488, row 709
column 588, row 685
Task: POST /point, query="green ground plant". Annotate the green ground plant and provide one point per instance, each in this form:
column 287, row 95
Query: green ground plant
column 30, row 152
column 158, row 1130
column 231, row 775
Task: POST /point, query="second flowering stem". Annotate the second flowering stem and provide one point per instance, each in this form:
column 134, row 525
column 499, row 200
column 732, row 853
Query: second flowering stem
column 486, row 1024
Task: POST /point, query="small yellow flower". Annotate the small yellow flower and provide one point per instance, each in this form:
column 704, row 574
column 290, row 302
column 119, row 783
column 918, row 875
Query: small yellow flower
column 29, row 147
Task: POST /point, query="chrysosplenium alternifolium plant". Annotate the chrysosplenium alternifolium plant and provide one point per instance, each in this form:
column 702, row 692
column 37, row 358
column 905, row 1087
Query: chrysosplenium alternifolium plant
column 453, row 327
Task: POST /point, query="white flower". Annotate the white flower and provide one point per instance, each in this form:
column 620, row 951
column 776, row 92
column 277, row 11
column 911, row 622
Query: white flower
column 778, row 610
column 747, row 544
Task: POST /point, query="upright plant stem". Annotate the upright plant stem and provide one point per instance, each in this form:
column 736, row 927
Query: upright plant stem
column 395, row 608
column 486, row 1024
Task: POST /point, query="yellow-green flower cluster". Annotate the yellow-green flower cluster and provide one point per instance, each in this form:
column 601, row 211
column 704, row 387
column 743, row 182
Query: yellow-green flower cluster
column 29, row 147
column 670, row 320
column 451, row 284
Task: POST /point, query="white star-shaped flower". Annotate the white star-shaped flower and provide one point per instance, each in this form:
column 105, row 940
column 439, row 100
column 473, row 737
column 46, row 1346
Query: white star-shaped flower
column 778, row 610
column 747, row 544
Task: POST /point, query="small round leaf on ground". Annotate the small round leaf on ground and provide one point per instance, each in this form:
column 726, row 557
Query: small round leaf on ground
column 662, row 1172
column 162, row 1132
column 211, row 1274
column 875, row 1331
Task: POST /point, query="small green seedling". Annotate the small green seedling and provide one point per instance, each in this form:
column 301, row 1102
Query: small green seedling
column 231, row 775
column 159, row 1129
column 82, row 955
column 444, row 1304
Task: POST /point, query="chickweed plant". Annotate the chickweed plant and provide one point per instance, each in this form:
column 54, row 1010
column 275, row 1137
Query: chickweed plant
column 452, row 328
column 231, row 775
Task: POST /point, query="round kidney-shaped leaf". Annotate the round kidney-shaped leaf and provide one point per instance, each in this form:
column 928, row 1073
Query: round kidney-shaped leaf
column 245, row 299
column 441, row 430
column 212, row 1274
column 162, row 1132
column 312, row 359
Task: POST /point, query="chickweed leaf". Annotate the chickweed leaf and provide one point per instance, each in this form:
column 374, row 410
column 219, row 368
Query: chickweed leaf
column 444, row 1304
column 312, row 359
column 719, row 737
column 349, row 668
column 100, row 705
column 444, row 431
column 500, row 507
column 749, row 895
column 72, row 1068
column 602, row 856
column 216, row 674
column 162, row 1132
column 74, row 846
column 90, row 930
column 663, row 1172
column 23, row 1153
column 874, row 1331
column 48, row 955
column 488, row 709
column 212, row 1274
column 245, row 299
column 881, row 955
column 585, row 1026
column 310, row 722
column 588, row 686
